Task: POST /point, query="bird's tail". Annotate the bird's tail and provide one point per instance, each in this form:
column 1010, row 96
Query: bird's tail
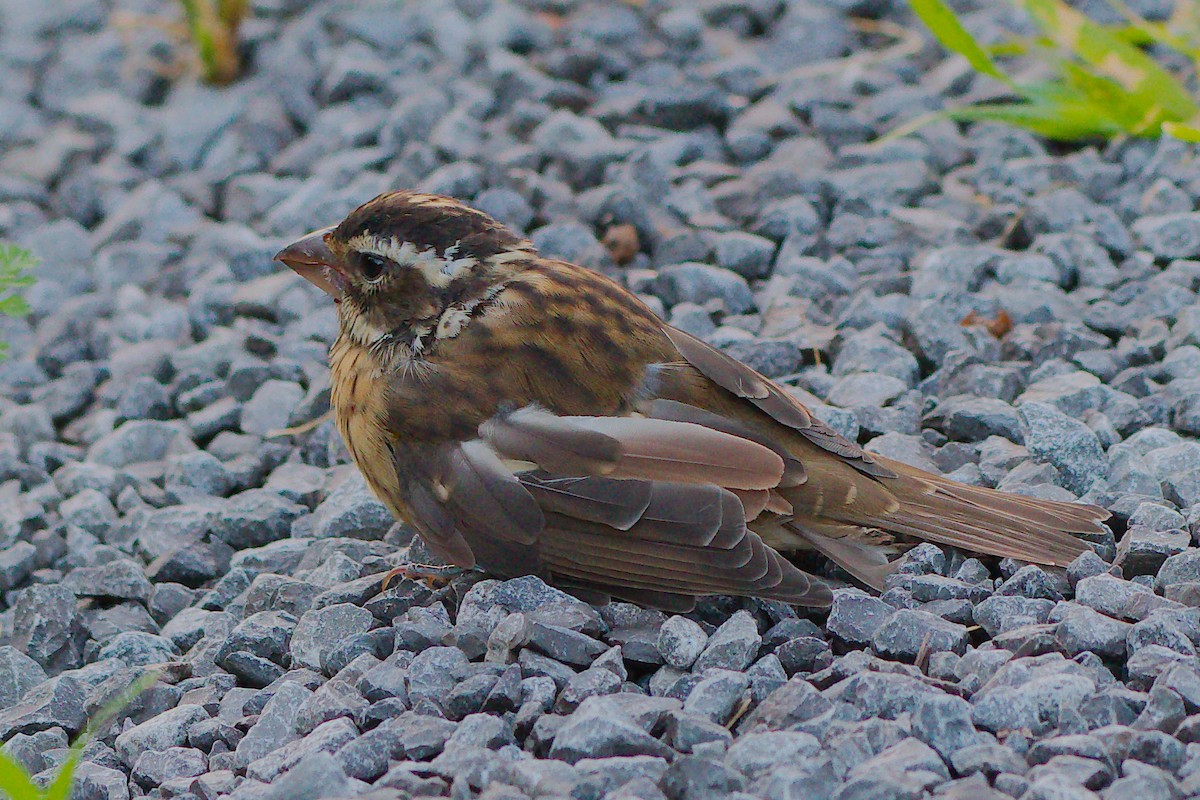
column 978, row 520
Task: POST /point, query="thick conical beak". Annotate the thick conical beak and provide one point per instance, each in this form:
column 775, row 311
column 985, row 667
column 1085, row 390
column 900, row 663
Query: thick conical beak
column 312, row 259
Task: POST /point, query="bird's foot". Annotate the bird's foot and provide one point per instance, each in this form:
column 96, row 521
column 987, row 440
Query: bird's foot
column 434, row 576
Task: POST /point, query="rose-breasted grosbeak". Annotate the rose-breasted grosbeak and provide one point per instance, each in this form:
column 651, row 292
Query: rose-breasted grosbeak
column 529, row 416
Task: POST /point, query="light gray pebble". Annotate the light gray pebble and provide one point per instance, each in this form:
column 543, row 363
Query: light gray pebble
column 16, row 563
column 744, row 253
column 1170, row 235
column 254, row 518
column 101, row 782
column 681, row 641
column 903, row 635
column 270, row 407
column 324, row 628
column 599, row 729
column 155, row 767
column 1066, row 443
column 199, row 472
column 717, row 695
column 166, row 730
column 699, row 283
column 732, row 646
column 352, row 510
column 141, row 440
column 855, row 616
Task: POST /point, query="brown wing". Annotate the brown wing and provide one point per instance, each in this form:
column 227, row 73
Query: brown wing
column 644, row 512
column 847, row 492
column 743, row 382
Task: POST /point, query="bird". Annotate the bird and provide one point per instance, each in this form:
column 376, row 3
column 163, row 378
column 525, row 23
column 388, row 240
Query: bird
column 530, row 416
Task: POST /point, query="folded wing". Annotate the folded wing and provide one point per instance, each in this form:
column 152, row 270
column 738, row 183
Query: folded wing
column 633, row 507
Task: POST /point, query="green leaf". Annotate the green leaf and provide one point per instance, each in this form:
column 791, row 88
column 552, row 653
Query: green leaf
column 13, row 263
column 15, row 783
column 17, row 258
column 1151, row 89
column 944, row 25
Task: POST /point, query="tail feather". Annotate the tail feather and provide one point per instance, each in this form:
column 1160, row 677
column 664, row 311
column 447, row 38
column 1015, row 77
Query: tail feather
column 987, row 521
column 866, row 562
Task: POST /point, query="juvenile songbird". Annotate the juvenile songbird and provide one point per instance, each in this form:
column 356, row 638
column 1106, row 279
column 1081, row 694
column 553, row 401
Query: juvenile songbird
column 528, row 416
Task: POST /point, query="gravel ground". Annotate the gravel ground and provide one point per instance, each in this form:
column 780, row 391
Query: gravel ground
column 972, row 301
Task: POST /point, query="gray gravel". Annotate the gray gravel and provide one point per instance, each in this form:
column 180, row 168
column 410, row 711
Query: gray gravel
column 151, row 512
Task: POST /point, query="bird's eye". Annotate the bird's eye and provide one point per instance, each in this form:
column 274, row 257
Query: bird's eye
column 373, row 266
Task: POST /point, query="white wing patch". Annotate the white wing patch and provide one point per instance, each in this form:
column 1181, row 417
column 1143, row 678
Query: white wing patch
column 453, row 320
column 456, row 316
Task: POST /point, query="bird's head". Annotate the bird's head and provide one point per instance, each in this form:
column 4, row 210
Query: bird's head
column 403, row 258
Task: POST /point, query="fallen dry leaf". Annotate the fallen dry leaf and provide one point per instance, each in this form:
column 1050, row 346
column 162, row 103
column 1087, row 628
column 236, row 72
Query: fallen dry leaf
column 622, row 243
column 997, row 326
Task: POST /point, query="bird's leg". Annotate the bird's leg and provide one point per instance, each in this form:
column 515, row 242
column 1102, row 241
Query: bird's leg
column 435, row 576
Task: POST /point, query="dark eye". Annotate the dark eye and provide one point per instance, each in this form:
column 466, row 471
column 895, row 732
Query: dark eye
column 373, row 266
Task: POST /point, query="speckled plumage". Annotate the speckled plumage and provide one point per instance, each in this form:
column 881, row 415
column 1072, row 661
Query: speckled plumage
column 530, row 416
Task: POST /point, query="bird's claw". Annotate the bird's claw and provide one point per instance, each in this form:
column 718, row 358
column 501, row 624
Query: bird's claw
column 434, row 576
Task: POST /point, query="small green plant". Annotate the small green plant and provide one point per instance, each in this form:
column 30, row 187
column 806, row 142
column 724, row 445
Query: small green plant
column 17, row 784
column 213, row 26
column 14, row 265
column 1100, row 81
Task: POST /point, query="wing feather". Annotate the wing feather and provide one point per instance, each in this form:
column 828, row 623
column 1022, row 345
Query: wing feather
column 735, row 377
column 793, row 470
column 865, row 562
column 686, row 452
column 609, row 501
column 437, row 527
column 531, row 434
column 481, row 489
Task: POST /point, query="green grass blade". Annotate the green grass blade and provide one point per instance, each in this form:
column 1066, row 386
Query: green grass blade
column 60, row 787
column 1154, row 91
column 912, row 126
column 13, row 306
column 1016, row 46
column 1142, row 31
column 109, row 711
column 15, row 783
column 1061, row 122
column 1106, row 96
column 944, row 25
column 1182, row 132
